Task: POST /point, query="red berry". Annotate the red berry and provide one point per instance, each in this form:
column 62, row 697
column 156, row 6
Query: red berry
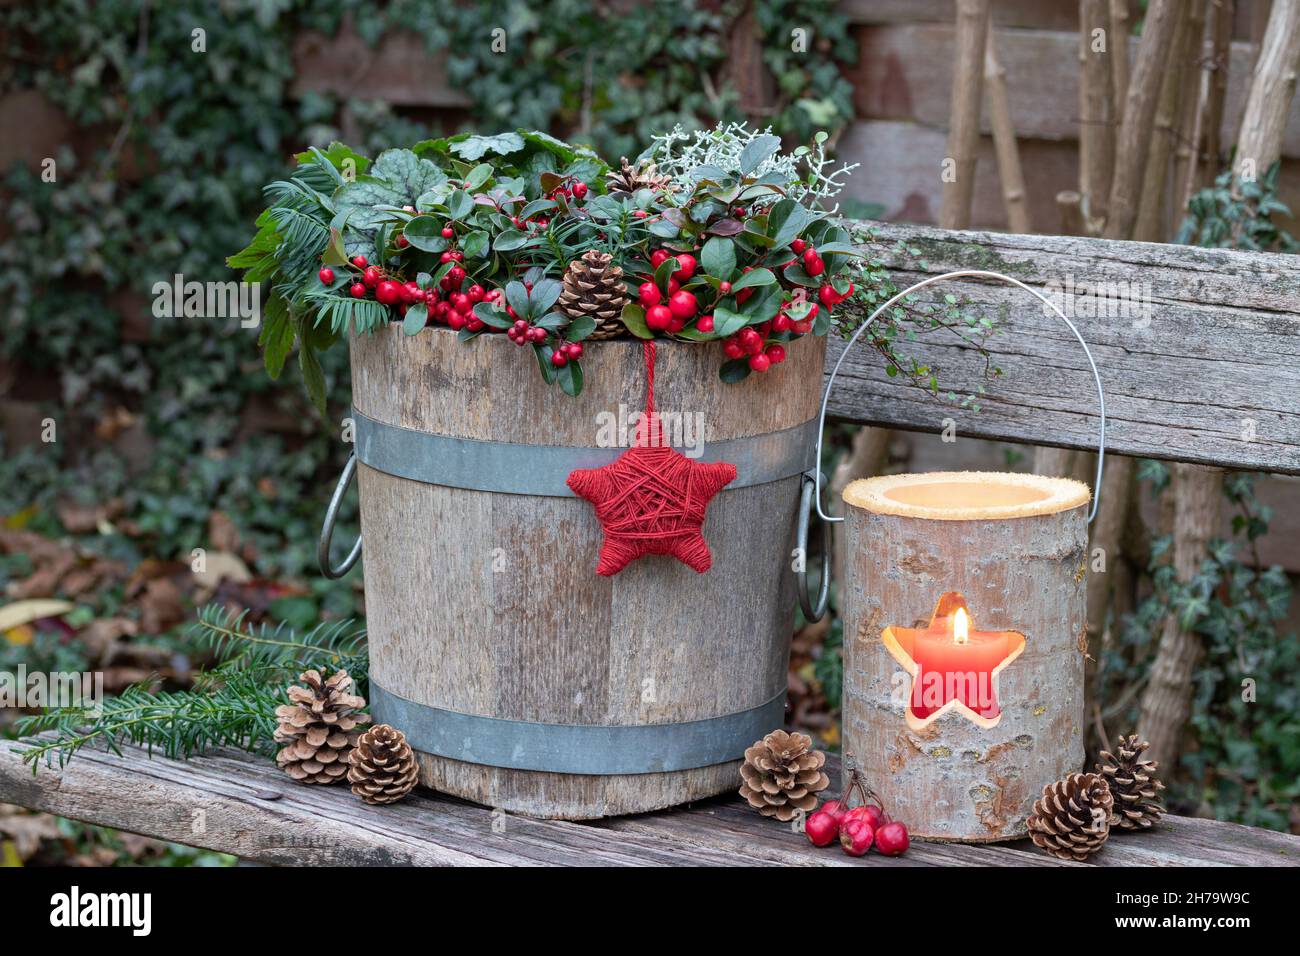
column 705, row 324
column 760, row 362
column 685, row 267
column 798, row 246
column 683, row 305
column 659, row 318
column 370, row 277
column 388, row 292
column 775, row 354
column 649, row 294
column 357, row 290
column 326, row 275
column 559, row 359
column 579, row 190
column 402, row 242
column 359, row 261
column 724, row 288
column 822, row 828
column 892, row 839
column 448, row 232
column 856, row 837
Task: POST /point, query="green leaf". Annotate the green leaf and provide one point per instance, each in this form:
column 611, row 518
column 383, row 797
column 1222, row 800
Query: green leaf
column 633, row 318
column 570, row 376
column 753, row 279
column 734, row 371
column 425, row 233
column 313, row 377
column 579, row 328
column 417, row 317
column 491, row 315
column 476, row 147
column 479, row 175
column 719, row 258
column 759, row 149
column 728, row 322
column 517, row 296
column 475, row 245
column 544, row 295
column 277, row 335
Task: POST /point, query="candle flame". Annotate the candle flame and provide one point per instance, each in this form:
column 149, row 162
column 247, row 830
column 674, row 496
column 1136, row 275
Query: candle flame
column 961, row 627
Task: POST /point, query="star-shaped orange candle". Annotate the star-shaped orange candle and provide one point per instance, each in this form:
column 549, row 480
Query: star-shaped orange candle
column 652, row 498
column 953, row 666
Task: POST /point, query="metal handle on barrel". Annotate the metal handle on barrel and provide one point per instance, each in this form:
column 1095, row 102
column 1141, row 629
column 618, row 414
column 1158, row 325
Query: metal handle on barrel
column 327, row 529
column 812, row 485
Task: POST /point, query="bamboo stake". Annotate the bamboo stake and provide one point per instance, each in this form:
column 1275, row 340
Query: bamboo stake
column 1119, row 34
column 1167, row 699
column 1139, row 111
column 1216, row 91
column 1152, row 200
column 1096, row 129
column 1259, row 143
column 1188, row 133
column 964, row 126
column 1004, row 140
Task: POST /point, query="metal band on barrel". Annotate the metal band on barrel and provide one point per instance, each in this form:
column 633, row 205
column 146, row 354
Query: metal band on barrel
column 576, row 748
column 542, row 469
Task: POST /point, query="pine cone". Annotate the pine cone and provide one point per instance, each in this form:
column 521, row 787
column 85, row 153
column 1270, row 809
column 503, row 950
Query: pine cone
column 383, row 767
column 627, row 179
column 319, row 725
column 1072, row 818
column 782, row 775
column 1133, row 784
column 593, row 286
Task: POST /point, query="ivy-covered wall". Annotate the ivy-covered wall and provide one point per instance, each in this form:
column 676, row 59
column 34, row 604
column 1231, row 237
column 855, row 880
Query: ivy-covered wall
column 169, row 119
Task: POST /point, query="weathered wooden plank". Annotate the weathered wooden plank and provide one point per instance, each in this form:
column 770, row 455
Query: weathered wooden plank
column 1207, row 374
column 220, row 802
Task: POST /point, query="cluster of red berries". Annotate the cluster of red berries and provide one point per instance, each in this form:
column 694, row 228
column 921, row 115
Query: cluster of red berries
column 857, row 828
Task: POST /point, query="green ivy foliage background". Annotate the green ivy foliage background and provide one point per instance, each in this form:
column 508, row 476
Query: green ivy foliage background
column 164, row 176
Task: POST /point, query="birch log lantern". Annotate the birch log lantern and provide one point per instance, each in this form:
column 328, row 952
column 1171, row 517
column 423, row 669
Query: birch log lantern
column 964, row 610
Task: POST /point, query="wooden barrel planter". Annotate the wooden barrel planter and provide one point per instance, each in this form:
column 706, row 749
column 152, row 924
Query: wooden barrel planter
column 1006, row 554
column 525, row 681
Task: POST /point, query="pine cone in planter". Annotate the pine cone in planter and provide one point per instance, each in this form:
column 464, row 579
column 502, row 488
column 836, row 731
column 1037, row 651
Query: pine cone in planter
column 1133, row 784
column 593, row 286
column 1071, row 820
column 383, row 767
column 782, row 775
column 319, row 725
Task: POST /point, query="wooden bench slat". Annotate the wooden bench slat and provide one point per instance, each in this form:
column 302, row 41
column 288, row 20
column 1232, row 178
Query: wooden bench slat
column 212, row 802
column 1221, row 350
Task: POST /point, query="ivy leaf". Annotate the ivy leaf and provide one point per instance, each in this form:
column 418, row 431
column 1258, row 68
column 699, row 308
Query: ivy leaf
column 472, row 148
column 719, row 258
column 407, row 173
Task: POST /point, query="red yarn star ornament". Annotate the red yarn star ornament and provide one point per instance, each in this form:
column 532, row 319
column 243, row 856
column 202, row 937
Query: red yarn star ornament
column 652, row 498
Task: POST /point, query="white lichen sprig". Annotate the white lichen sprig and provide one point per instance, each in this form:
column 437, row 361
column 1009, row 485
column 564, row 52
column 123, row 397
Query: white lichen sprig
column 810, row 176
